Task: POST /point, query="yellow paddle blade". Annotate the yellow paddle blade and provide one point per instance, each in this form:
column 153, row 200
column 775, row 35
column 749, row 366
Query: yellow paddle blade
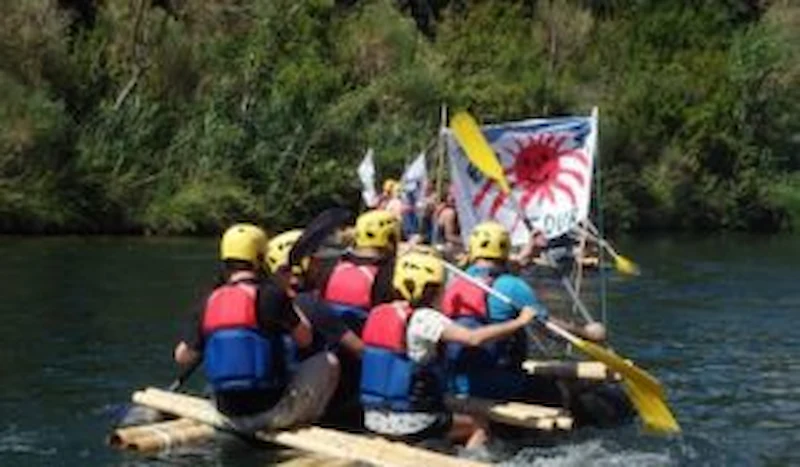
column 477, row 149
column 628, row 370
column 652, row 409
column 626, row 266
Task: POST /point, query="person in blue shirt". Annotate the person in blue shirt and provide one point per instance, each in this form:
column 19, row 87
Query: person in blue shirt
column 494, row 370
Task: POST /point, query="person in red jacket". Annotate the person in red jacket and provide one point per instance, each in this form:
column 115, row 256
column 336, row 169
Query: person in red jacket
column 361, row 277
column 241, row 335
column 403, row 367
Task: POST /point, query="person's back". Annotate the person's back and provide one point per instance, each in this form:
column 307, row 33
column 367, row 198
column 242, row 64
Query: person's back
column 403, row 381
column 447, row 226
column 493, row 370
column 360, row 279
column 241, row 335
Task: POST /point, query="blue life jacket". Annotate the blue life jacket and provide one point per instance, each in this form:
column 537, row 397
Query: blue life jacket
column 389, row 379
column 352, row 316
column 238, row 356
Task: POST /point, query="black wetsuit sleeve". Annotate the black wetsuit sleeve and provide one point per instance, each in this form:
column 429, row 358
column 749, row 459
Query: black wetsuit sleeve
column 323, row 320
column 192, row 330
column 323, row 275
column 275, row 311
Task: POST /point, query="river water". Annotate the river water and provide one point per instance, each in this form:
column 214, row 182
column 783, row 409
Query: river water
column 86, row 321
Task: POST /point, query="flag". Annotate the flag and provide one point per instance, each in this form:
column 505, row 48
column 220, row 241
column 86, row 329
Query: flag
column 548, row 162
column 414, row 180
column 413, row 183
column 366, row 173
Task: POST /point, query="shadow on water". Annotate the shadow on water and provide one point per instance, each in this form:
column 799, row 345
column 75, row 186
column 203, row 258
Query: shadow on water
column 86, row 321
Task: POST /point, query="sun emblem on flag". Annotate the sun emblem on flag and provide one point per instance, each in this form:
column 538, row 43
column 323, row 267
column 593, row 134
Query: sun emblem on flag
column 538, row 170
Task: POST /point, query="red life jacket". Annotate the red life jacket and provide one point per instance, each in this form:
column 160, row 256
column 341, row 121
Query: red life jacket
column 351, row 284
column 464, row 299
column 231, row 306
column 238, row 355
column 386, row 326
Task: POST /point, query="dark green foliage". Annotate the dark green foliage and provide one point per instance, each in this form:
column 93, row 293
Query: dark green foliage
column 181, row 117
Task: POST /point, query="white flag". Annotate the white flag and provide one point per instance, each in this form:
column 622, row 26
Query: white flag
column 548, row 163
column 366, row 173
column 414, row 180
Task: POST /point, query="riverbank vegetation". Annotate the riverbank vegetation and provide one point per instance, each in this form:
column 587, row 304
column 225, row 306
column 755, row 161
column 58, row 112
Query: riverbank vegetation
column 179, row 116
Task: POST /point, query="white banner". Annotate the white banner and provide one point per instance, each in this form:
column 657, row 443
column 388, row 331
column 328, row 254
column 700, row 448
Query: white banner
column 366, row 173
column 548, row 163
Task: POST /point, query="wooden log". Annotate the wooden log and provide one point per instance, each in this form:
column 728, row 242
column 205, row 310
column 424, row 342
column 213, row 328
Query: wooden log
column 519, row 414
column 323, row 441
column 301, row 459
column 160, row 436
column 593, row 371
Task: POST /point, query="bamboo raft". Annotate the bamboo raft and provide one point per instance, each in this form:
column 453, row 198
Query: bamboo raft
column 199, row 419
column 160, row 436
column 322, row 441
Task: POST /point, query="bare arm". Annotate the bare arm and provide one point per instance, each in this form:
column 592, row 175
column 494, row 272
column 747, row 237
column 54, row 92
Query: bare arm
column 479, row 336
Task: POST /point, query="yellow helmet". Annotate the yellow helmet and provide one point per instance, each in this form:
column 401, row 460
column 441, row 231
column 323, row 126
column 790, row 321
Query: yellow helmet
column 489, row 240
column 414, row 273
column 390, row 186
column 244, row 242
column 377, row 229
column 279, row 247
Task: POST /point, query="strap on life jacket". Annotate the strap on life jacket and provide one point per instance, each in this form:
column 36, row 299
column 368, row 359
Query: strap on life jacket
column 389, row 378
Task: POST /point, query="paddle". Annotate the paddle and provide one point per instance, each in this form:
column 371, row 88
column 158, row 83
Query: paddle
column 644, row 390
column 316, row 232
column 140, row 415
column 621, row 263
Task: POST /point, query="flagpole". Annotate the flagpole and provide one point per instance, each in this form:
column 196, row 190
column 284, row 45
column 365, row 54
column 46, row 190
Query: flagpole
column 439, row 168
column 598, row 197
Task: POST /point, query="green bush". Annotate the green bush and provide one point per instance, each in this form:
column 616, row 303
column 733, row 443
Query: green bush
column 182, row 121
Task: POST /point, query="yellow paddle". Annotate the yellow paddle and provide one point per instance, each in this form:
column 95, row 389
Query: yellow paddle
column 643, row 389
column 621, row 263
column 478, row 151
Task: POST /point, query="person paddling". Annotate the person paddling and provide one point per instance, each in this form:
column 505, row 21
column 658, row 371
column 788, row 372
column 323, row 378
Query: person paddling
column 239, row 335
column 403, row 382
column 495, row 371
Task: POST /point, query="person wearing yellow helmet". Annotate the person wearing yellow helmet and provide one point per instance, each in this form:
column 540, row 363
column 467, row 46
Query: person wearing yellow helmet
column 391, row 189
column 245, row 318
column 402, row 384
column 358, row 280
column 493, row 371
column 361, row 277
column 328, row 329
